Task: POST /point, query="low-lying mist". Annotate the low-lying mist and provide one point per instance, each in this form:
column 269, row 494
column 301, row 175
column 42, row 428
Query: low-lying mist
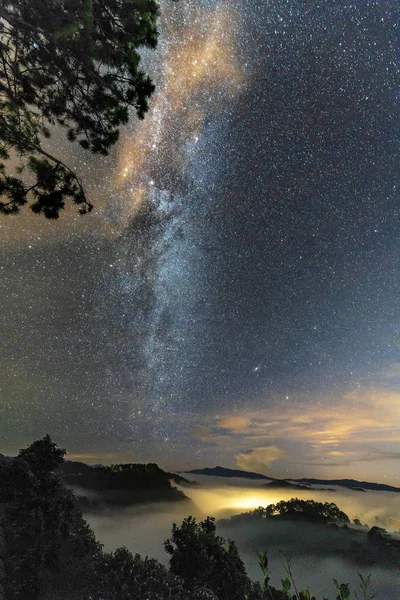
column 313, row 548
column 228, row 496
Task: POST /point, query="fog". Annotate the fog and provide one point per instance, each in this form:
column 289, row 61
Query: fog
column 228, row 496
column 143, row 530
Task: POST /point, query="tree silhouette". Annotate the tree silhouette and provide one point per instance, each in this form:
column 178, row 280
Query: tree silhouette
column 203, row 559
column 48, row 551
column 43, row 456
column 38, row 516
column 307, row 510
column 71, row 63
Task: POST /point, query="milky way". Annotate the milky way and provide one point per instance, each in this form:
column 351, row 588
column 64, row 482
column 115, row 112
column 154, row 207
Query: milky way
column 253, row 265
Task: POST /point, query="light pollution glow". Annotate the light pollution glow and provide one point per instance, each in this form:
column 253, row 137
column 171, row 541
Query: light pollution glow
column 222, row 500
column 337, row 436
column 292, row 441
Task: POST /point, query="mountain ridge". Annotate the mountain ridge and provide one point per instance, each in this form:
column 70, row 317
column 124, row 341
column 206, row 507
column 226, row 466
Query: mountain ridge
column 224, row 472
column 351, row 484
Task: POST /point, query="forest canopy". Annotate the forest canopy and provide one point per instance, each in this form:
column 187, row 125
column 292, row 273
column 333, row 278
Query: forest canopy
column 47, row 549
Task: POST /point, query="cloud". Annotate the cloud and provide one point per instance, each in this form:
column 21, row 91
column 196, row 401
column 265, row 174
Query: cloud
column 355, row 431
column 347, row 459
column 204, row 435
column 234, row 423
column 259, row 459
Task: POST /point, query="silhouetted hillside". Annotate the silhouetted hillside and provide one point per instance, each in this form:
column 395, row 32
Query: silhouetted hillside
column 223, row 472
column 305, row 482
column 123, row 484
column 48, row 551
column 295, row 509
column 324, row 531
column 351, row 484
column 283, row 484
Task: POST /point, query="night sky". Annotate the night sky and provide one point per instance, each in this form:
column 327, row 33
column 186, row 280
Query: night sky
column 235, row 296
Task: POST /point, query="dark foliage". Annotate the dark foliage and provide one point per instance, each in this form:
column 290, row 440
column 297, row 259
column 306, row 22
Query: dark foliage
column 71, row 63
column 43, row 456
column 216, row 566
column 40, row 521
column 48, row 552
column 123, row 484
column 305, row 510
column 309, row 510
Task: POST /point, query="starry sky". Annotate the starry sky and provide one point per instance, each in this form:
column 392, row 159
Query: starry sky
column 235, row 296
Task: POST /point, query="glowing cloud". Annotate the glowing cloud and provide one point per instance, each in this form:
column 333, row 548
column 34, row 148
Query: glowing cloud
column 259, row 459
column 234, row 423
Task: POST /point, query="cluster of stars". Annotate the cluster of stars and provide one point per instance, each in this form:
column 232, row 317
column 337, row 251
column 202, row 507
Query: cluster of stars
column 254, row 252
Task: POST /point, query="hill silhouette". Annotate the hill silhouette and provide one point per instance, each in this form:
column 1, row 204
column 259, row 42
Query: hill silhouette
column 122, row 484
column 351, row 484
column 223, row 472
column 324, row 531
column 49, row 552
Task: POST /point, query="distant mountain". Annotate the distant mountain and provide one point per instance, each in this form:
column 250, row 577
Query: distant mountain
column 351, row 484
column 223, row 472
column 272, row 481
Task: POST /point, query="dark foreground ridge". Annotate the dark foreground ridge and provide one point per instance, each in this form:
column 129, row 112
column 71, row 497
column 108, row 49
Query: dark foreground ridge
column 49, row 552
